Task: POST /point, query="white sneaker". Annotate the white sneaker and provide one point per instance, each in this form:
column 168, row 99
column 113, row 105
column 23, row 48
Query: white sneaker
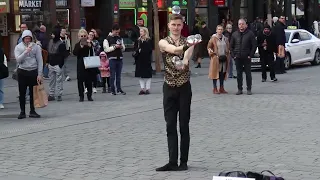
column 68, row 78
column 1, row 106
column 85, row 90
column 94, row 90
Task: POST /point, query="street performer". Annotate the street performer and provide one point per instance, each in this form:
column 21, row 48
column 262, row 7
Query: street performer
column 176, row 92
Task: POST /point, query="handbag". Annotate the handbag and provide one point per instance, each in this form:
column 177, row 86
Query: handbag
column 91, row 62
column 136, row 53
column 261, row 176
column 222, row 58
column 40, row 97
column 4, row 70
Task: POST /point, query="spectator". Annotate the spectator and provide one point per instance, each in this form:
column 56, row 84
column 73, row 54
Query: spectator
column 114, row 47
column 243, row 46
column 30, row 65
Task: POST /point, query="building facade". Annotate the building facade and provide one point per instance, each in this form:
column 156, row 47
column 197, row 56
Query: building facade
column 34, row 13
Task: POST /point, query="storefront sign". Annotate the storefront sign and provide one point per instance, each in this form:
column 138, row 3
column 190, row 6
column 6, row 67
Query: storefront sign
column 127, row 3
column 87, row 3
column 30, row 5
column 145, row 3
column 61, row 3
column 4, row 6
column 177, row 3
column 219, row 2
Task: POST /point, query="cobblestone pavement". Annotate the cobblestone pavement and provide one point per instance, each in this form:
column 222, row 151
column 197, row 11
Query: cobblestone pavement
column 123, row 137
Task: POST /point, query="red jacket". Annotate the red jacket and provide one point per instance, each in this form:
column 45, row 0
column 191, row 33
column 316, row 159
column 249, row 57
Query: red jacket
column 185, row 30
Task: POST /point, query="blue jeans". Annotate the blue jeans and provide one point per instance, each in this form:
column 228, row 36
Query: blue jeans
column 1, row 91
column 45, row 71
column 115, row 71
column 231, row 67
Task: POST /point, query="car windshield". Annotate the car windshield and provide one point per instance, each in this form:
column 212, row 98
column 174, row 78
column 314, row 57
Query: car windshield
column 287, row 36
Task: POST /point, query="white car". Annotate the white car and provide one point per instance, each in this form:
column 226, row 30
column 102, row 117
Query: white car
column 301, row 47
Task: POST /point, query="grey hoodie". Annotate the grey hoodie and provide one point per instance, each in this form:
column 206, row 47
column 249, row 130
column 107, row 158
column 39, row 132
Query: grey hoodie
column 29, row 61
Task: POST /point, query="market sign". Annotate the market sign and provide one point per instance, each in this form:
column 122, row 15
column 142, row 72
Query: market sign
column 4, row 6
column 61, row 3
column 219, row 2
column 30, row 5
column 127, row 3
column 88, row 3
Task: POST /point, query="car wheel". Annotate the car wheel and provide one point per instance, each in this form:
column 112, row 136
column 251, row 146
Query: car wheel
column 287, row 61
column 316, row 60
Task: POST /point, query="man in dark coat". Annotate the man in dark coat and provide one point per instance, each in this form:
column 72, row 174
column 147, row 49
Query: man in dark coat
column 267, row 48
column 243, row 46
column 278, row 30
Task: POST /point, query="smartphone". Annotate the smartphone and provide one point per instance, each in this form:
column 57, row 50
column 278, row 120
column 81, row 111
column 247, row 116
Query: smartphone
column 83, row 41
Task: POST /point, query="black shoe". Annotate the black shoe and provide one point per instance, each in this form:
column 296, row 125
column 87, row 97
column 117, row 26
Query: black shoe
column 113, row 93
column 141, row 92
column 234, row 77
column 183, row 167
column 81, row 99
column 90, row 98
column 147, row 92
column 274, row 80
column 239, row 92
column 121, row 92
column 59, row 98
column 33, row 114
column 51, row 98
column 198, row 66
column 22, row 115
column 168, row 167
column 263, row 80
column 249, row 92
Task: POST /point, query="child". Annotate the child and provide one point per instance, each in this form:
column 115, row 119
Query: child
column 105, row 71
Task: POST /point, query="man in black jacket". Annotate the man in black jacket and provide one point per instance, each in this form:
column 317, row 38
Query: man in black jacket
column 267, row 48
column 243, row 45
column 278, row 30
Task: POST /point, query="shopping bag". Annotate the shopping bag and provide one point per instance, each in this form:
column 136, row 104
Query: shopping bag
column 91, row 62
column 40, row 97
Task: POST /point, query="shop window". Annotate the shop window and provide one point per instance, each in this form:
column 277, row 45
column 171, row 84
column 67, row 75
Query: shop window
column 244, row 9
column 127, row 20
column 201, row 3
column 63, row 17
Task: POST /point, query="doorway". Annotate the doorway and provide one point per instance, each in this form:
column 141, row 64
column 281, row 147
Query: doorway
column 163, row 21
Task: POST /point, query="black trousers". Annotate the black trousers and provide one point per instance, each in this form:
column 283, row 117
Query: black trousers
column 280, row 67
column 82, row 83
column 26, row 79
column 105, row 80
column 267, row 59
column 177, row 99
column 243, row 64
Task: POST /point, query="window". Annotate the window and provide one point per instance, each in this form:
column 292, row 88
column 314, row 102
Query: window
column 287, row 36
column 304, row 36
column 296, row 36
column 244, row 9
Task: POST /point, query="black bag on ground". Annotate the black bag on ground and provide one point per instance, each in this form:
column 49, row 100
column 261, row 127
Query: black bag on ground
column 233, row 174
column 261, row 176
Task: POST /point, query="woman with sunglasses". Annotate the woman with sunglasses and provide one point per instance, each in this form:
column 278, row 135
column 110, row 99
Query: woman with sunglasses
column 84, row 48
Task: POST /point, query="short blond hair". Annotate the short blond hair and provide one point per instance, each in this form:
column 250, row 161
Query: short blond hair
column 82, row 32
column 146, row 31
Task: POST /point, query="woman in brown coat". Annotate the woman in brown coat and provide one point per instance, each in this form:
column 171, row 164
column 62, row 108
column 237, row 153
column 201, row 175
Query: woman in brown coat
column 218, row 49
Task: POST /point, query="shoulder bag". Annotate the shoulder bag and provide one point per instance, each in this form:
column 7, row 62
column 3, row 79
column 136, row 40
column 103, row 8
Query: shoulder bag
column 4, row 70
column 91, row 61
